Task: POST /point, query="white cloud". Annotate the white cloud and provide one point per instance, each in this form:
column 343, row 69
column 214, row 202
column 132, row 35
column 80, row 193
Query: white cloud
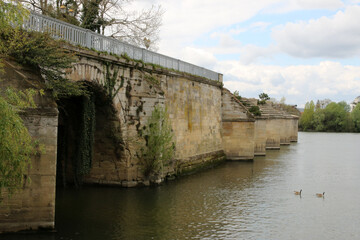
column 320, row 4
column 259, row 25
column 298, row 84
column 251, row 53
column 187, row 20
column 226, row 41
column 336, row 37
column 199, row 57
column 293, row 5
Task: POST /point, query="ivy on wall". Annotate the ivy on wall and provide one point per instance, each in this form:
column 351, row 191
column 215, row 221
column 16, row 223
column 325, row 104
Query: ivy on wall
column 84, row 149
column 112, row 79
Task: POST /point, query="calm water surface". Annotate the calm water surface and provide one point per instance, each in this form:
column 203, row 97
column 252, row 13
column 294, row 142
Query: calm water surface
column 235, row 200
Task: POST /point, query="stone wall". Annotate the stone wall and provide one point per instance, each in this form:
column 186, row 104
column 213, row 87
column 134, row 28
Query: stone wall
column 294, row 129
column 195, row 112
column 260, row 137
column 285, row 131
column 273, row 133
column 207, row 121
column 33, row 206
column 193, row 104
column 238, row 127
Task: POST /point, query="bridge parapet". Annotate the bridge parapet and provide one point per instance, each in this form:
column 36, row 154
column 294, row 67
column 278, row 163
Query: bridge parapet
column 86, row 38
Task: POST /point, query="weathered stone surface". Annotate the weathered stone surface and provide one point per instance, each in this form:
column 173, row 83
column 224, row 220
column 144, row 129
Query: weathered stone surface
column 294, row 129
column 208, row 123
column 238, row 128
column 260, row 137
column 33, row 206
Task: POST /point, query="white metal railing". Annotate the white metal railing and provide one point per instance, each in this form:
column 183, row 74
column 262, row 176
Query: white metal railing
column 87, row 38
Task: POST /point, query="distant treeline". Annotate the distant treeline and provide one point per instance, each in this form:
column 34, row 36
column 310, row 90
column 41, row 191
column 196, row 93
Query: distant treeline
column 327, row 116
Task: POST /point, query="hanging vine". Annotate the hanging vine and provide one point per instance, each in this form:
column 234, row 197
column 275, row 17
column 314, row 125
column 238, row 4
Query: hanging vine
column 112, row 79
column 84, row 152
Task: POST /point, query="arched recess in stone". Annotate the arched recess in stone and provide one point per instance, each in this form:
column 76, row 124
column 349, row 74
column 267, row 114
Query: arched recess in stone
column 86, row 71
column 90, row 146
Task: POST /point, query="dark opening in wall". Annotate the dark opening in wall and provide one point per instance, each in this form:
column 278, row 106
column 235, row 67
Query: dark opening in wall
column 88, row 135
column 75, row 138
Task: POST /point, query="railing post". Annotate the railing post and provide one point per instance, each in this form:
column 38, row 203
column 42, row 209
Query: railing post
column 220, row 77
column 88, row 39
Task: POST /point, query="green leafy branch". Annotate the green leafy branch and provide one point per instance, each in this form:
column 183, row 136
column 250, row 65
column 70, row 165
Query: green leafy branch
column 112, row 79
column 159, row 146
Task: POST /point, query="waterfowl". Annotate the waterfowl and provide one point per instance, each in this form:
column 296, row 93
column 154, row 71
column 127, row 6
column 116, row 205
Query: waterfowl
column 298, row 192
column 320, row 194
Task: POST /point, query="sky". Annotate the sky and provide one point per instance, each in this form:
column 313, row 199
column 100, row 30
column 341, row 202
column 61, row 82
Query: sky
column 298, row 49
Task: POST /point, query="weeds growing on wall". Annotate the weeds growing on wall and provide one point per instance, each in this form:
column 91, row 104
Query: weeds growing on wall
column 159, row 146
column 255, row 110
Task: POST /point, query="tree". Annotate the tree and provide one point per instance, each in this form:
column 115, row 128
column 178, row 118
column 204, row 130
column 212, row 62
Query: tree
column 355, row 115
column 138, row 28
column 89, row 17
column 282, row 100
column 318, row 120
column 11, row 13
column 110, row 17
column 11, row 17
column 263, row 98
column 323, row 103
column 306, row 120
column 43, row 54
column 335, row 117
column 344, row 106
column 159, row 147
column 16, row 145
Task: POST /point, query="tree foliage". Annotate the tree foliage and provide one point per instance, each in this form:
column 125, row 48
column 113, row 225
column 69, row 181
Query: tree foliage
column 255, row 110
column 11, row 12
column 334, row 117
column 45, row 55
column 355, row 115
column 306, row 120
column 111, row 17
column 16, row 144
column 159, row 147
column 263, row 98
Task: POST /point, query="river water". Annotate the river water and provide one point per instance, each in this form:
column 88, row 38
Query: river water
column 235, row 200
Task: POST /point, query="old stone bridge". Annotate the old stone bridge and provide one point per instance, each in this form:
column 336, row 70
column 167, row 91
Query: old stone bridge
column 209, row 124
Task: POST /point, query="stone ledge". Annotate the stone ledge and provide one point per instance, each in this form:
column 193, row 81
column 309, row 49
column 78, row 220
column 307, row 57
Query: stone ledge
column 238, row 120
column 260, row 153
column 40, row 112
column 133, row 64
column 243, row 158
column 26, row 226
column 272, row 148
column 199, row 162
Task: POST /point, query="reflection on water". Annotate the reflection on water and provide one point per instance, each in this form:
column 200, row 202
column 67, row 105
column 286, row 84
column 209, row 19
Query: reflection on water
column 237, row 200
